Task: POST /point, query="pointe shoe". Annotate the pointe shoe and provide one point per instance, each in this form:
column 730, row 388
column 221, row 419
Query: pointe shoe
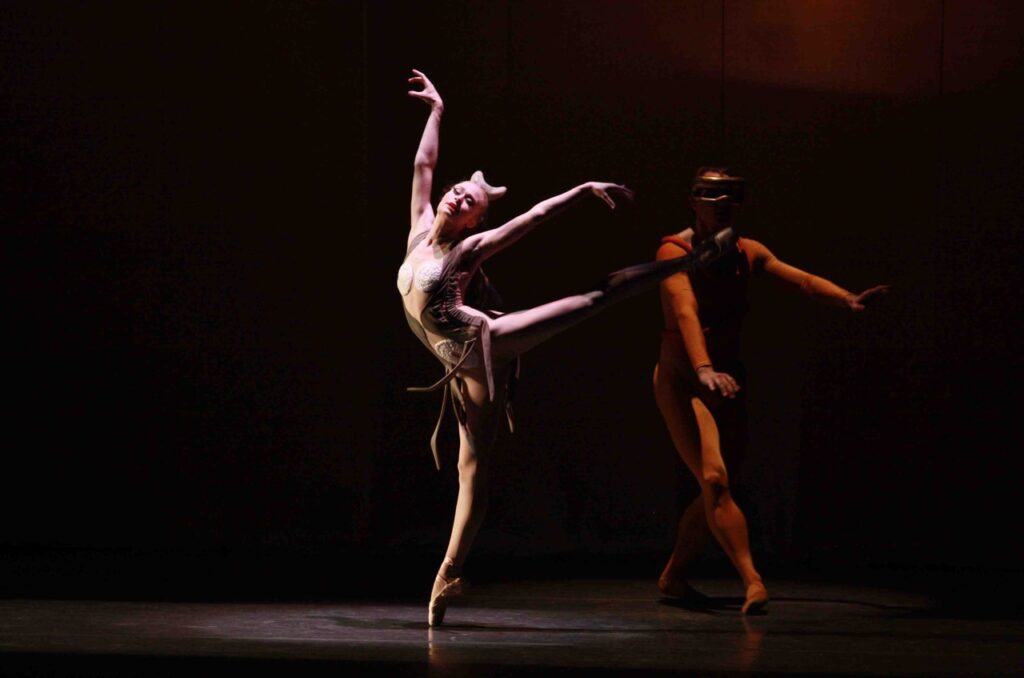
column 449, row 589
column 757, row 598
column 678, row 588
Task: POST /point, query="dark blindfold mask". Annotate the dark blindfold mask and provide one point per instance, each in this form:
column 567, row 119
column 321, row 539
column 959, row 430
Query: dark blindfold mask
column 718, row 189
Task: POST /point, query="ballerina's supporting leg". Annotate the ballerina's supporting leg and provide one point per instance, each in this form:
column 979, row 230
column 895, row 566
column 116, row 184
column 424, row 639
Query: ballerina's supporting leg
column 476, row 438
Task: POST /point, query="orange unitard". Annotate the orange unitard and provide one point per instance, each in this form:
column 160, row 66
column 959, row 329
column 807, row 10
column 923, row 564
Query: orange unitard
column 703, row 313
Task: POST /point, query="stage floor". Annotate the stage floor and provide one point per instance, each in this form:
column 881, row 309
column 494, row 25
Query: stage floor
column 568, row 627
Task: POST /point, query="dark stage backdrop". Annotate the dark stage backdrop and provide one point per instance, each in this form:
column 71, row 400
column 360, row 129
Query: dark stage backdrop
column 205, row 204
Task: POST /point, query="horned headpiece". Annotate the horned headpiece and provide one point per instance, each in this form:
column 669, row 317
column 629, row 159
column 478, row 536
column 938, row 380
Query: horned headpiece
column 493, row 192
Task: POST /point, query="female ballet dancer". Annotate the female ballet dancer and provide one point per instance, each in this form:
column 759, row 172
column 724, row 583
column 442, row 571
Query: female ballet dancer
column 449, row 306
column 698, row 375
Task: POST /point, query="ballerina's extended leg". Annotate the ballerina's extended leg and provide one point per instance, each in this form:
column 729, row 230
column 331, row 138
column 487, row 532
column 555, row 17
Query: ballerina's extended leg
column 517, row 332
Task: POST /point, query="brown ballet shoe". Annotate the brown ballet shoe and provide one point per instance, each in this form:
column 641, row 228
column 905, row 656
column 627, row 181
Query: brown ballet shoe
column 678, row 588
column 450, row 588
column 757, row 598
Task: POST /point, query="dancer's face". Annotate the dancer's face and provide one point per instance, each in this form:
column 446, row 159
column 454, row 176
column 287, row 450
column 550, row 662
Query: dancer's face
column 462, row 207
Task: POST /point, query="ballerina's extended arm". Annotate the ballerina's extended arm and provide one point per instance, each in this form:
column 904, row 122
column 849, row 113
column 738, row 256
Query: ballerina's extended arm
column 487, row 244
column 421, row 212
